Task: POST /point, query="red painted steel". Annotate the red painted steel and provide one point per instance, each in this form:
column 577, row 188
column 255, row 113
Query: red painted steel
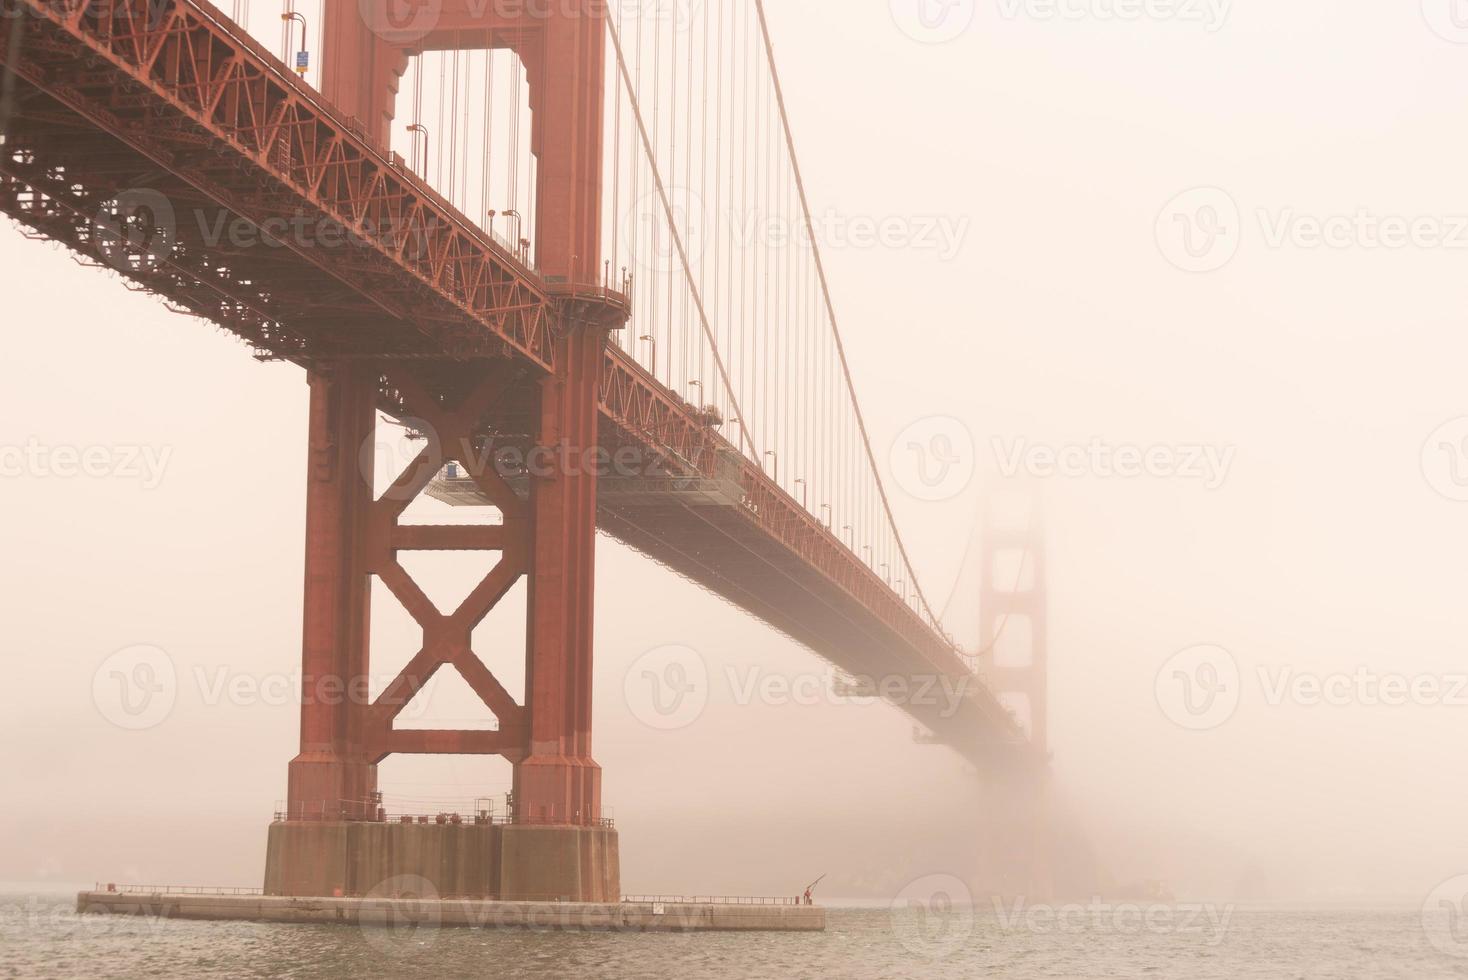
column 333, row 763
column 170, row 97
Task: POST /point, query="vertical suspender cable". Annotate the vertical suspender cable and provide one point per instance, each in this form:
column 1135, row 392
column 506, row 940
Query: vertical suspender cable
column 677, row 238
column 831, row 310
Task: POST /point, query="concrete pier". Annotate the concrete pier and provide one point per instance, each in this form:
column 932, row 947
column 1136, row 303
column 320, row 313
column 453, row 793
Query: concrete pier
column 421, row 913
column 511, row 862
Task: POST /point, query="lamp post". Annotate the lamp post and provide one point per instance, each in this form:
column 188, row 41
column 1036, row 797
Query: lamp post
column 801, row 484
column 512, row 213
column 301, row 57
column 418, row 129
column 775, row 468
column 653, row 363
column 519, row 224
column 827, row 509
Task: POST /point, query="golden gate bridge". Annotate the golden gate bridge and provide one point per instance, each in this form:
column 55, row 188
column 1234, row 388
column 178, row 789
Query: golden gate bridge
column 569, row 245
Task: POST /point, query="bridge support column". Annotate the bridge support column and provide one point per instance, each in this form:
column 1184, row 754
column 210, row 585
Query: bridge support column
column 333, row 777
column 558, row 783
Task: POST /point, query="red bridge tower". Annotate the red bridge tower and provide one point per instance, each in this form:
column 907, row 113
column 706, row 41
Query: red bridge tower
column 331, row 839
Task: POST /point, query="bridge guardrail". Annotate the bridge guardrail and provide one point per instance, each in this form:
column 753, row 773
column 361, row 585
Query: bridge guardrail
column 114, row 888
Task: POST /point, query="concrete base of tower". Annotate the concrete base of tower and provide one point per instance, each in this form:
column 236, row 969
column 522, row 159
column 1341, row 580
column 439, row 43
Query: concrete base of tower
column 447, row 860
column 573, row 864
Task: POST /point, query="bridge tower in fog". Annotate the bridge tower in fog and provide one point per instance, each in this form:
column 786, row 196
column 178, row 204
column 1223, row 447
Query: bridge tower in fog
column 1018, row 835
column 1014, row 654
column 558, row 843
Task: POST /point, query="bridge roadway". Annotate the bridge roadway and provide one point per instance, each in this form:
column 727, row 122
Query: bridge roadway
column 168, row 106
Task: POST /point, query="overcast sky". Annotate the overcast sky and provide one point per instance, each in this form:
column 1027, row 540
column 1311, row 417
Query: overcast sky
column 1288, row 333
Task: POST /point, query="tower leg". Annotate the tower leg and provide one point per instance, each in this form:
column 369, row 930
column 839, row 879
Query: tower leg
column 332, row 778
column 1019, row 833
column 558, row 844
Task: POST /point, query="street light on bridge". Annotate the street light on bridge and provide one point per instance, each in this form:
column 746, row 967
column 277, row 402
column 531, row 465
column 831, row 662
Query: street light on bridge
column 419, row 129
column 302, row 56
column 652, row 366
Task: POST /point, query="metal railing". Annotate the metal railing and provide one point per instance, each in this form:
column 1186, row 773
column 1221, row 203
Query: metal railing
column 707, row 900
column 111, row 887
column 379, row 811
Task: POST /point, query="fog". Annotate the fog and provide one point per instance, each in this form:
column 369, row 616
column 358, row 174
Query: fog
column 1306, row 517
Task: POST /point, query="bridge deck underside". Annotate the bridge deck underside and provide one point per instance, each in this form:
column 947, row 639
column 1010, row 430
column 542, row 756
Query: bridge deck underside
column 721, row 549
column 84, row 127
